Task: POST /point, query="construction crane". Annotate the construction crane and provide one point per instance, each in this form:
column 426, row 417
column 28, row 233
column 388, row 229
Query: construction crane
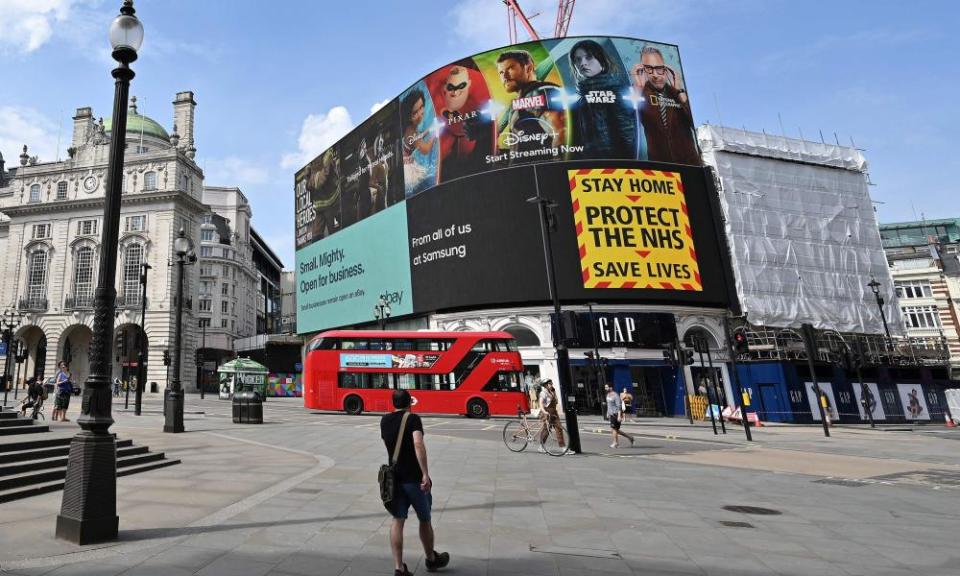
column 514, row 13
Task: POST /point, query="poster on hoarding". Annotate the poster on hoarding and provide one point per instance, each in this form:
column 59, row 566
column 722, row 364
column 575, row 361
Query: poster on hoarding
column 633, row 229
column 913, row 402
column 831, row 408
column 872, row 403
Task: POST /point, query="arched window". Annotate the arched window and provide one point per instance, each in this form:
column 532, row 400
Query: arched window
column 698, row 333
column 37, row 280
column 61, row 190
column 35, row 193
column 132, row 258
column 523, row 335
column 150, row 181
column 83, row 277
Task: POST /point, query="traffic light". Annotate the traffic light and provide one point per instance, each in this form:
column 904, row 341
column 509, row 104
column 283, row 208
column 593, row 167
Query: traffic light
column 670, row 356
column 740, row 344
column 687, row 356
column 166, row 357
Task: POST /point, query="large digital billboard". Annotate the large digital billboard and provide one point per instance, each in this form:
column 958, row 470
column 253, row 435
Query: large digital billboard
column 426, row 203
column 545, row 101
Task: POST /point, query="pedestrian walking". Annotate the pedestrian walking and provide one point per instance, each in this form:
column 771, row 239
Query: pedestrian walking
column 627, row 398
column 116, row 387
column 413, row 483
column 549, row 415
column 61, row 402
column 615, row 412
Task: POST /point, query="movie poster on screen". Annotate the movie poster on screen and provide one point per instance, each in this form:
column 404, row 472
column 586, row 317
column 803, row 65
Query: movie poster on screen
column 633, row 229
column 526, row 105
column 317, row 188
column 873, row 401
column 665, row 113
column 371, row 178
column 913, row 402
column 420, row 129
column 812, row 400
column 603, row 106
column 461, row 99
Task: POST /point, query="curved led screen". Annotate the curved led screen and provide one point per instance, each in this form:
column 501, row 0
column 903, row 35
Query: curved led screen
column 575, row 98
column 426, row 205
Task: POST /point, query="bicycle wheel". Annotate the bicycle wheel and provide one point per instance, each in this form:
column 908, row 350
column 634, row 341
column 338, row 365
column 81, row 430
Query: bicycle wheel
column 515, row 436
column 556, row 445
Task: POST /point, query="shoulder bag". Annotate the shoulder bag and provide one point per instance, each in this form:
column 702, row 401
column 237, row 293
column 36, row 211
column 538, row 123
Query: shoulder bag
column 388, row 474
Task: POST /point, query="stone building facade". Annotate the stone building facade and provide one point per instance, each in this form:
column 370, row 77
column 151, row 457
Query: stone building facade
column 50, row 232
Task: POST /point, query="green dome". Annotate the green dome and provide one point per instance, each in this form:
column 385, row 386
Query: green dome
column 136, row 123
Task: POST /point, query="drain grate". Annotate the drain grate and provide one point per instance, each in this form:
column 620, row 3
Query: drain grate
column 755, row 510
column 734, row 524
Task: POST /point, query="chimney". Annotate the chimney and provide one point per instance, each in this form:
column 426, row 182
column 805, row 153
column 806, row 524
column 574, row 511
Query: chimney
column 183, row 110
column 82, row 126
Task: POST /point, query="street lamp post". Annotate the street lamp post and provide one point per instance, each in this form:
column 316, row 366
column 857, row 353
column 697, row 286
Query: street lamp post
column 11, row 321
column 545, row 209
column 18, row 359
column 88, row 512
column 173, row 421
column 381, row 311
column 875, row 288
column 202, row 357
column 141, row 349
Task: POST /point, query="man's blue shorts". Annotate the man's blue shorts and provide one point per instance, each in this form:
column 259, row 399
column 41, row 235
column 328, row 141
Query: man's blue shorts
column 409, row 494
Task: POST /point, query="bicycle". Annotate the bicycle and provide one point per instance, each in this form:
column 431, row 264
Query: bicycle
column 518, row 433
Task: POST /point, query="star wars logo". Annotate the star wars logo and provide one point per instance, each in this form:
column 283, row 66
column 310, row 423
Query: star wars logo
column 600, row 97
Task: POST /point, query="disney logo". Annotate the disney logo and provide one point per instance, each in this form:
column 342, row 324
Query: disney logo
column 521, row 137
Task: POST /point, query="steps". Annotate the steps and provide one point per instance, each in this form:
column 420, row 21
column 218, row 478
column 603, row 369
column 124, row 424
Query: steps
column 12, row 424
column 32, row 467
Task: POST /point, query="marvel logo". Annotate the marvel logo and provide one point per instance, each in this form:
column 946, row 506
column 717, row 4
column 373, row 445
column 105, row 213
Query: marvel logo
column 527, row 102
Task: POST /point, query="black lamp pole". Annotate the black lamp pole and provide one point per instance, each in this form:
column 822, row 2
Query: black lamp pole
column 202, row 356
column 11, row 321
column 381, row 311
column 18, row 359
column 173, row 421
column 88, row 512
column 559, row 344
column 875, row 287
column 141, row 348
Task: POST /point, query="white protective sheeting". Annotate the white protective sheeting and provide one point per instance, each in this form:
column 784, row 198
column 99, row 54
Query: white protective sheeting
column 802, row 231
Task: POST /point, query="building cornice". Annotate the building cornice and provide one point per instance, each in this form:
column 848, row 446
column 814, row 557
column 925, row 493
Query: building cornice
column 59, row 206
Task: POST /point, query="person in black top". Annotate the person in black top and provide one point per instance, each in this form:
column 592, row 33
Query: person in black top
column 413, row 483
column 34, row 398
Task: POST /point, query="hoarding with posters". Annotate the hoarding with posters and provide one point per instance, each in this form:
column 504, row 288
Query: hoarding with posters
column 428, row 197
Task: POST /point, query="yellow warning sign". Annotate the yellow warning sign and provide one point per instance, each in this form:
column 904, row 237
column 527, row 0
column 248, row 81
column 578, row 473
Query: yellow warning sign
column 633, row 229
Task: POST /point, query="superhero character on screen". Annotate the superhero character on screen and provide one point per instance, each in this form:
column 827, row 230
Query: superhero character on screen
column 535, row 124
column 603, row 123
column 666, row 116
column 467, row 135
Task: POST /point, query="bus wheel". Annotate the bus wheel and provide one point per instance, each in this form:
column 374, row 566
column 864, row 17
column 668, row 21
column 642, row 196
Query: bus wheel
column 353, row 405
column 477, row 408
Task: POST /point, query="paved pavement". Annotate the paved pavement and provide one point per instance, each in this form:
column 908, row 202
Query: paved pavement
column 298, row 496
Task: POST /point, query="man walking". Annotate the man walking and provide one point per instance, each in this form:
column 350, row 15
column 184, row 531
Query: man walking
column 615, row 411
column 413, row 483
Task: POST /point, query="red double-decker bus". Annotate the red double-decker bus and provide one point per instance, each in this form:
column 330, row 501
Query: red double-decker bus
column 471, row 373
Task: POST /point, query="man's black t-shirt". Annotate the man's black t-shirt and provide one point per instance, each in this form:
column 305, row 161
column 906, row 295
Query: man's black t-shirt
column 407, row 468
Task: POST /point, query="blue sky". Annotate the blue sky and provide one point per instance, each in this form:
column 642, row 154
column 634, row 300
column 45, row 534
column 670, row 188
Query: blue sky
column 277, row 82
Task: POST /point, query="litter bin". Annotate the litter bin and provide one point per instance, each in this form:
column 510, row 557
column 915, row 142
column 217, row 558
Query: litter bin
column 247, row 408
column 153, row 387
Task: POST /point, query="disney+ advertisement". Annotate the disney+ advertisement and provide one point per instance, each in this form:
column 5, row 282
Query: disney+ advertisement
column 557, row 100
